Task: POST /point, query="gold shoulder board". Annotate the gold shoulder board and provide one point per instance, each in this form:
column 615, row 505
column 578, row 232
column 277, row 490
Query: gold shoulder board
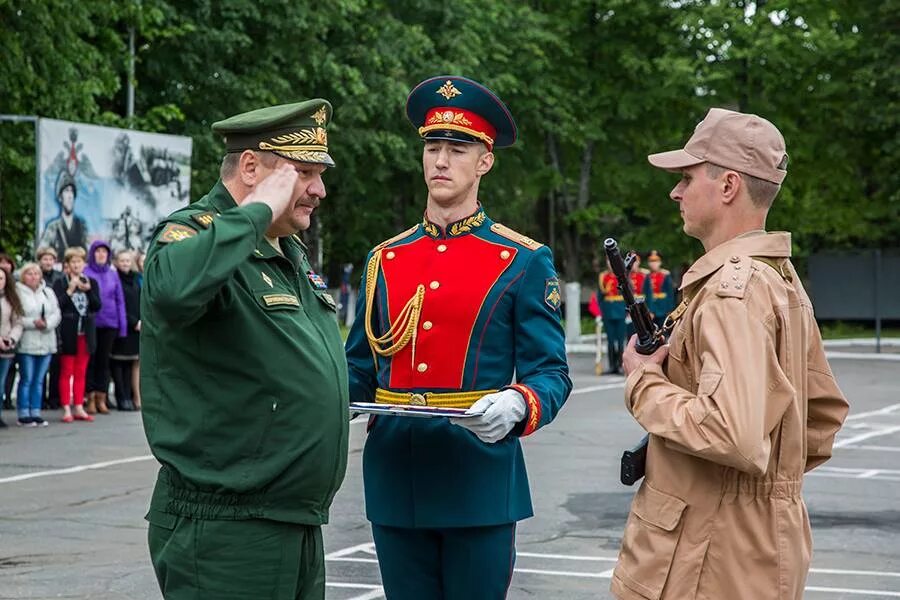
column 515, row 236
column 396, row 238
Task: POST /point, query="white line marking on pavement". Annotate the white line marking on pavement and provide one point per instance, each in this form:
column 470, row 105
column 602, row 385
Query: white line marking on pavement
column 598, row 388
column 853, row 591
column 862, row 356
column 564, row 573
column 881, row 411
column 352, row 559
column 865, row 436
column 851, row 572
column 860, row 342
column 876, row 448
column 845, row 473
column 78, row 469
column 368, row 548
column 376, row 591
column 565, row 556
column 370, row 596
column 857, row 472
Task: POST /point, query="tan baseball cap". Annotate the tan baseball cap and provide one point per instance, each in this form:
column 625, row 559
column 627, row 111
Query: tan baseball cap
column 746, row 143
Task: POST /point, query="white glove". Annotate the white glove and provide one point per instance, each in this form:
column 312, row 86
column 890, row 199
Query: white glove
column 502, row 410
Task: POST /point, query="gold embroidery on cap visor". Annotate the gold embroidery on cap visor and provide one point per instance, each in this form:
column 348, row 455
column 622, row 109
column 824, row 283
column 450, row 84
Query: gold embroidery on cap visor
column 305, row 145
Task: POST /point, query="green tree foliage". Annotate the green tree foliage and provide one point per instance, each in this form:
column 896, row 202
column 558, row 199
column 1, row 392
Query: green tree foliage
column 594, row 85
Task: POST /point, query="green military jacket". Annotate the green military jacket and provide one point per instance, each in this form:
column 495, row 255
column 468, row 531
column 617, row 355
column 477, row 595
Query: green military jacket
column 243, row 375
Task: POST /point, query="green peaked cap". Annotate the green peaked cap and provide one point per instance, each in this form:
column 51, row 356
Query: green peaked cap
column 295, row 131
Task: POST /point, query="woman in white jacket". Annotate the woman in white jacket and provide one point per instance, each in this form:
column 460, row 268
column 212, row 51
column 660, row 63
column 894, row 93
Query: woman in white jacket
column 38, row 343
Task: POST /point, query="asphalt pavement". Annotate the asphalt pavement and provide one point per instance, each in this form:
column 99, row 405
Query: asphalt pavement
column 73, row 496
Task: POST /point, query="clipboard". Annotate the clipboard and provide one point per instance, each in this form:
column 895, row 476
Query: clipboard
column 406, row 410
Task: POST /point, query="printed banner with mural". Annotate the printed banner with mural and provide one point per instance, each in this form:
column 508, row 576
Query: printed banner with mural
column 108, row 184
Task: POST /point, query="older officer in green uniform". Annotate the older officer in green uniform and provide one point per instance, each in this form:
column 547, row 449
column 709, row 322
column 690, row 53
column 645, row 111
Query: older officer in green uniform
column 243, row 373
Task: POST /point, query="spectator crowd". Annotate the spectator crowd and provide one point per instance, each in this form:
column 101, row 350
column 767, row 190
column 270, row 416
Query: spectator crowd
column 70, row 325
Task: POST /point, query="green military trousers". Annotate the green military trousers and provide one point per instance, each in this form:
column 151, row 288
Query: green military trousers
column 250, row 559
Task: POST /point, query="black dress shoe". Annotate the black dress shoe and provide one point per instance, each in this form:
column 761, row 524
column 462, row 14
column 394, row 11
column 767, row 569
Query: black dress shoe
column 125, row 405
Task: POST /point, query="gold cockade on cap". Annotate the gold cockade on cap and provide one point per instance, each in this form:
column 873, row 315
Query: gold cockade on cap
column 448, row 116
column 448, row 90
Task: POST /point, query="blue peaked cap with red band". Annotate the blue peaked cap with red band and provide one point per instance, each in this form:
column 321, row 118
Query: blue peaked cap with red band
column 454, row 108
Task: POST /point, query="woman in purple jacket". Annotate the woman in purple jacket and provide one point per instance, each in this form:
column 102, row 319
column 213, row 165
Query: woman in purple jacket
column 111, row 323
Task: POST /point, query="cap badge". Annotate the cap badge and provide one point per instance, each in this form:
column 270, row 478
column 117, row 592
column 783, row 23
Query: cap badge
column 321, row 115
column 448, row 90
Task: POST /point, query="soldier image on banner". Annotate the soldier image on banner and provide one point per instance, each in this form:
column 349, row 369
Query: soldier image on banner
column 456, row 312
column 103, row 183
column 68, row 230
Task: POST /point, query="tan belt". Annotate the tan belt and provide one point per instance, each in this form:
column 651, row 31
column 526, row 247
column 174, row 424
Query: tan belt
column 440, row 399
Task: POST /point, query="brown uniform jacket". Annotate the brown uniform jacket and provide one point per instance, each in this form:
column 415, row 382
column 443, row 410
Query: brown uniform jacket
column 745, row 405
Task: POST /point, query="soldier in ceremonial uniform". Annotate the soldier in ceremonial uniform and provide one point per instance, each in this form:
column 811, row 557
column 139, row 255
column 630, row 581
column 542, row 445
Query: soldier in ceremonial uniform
column 638, row 279
column 741, row 402
column 243, row 373
column 449, row 311
column 612, row 310
column 658, row 289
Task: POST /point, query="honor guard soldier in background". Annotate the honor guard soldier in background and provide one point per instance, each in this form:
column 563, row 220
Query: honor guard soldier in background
column 450, row 311
column 658, row 289
column 746, row 402
column 243, row 374
column 612, row 310
column 638, row 278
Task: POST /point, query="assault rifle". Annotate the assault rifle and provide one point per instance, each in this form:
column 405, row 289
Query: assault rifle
column 649, row 338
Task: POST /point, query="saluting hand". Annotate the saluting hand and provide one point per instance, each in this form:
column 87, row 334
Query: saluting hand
column 632, row 360
column 275, row 191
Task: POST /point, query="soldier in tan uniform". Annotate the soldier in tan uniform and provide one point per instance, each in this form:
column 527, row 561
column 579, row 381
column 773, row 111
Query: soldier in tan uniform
column 741, row 403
